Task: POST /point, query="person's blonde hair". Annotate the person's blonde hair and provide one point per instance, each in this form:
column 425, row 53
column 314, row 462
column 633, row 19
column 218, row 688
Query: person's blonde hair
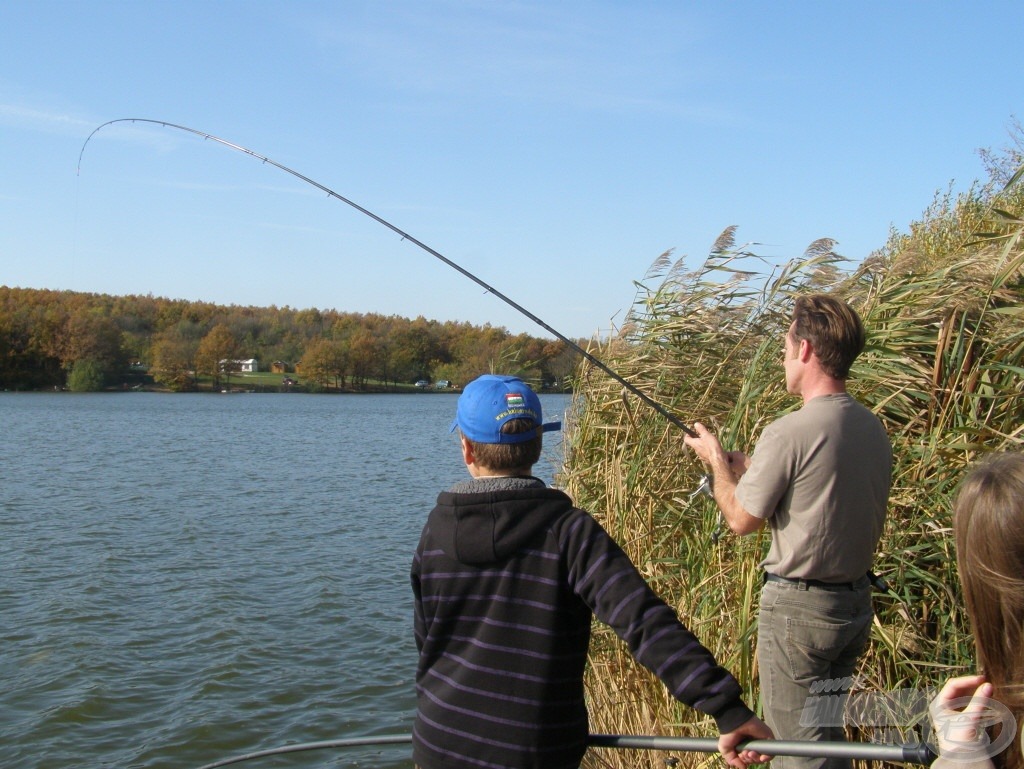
column 988, row 522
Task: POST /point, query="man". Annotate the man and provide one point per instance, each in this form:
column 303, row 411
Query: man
column 820, row 478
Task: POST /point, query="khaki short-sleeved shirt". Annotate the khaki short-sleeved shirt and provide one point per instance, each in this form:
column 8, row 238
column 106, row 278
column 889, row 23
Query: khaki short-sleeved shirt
column 821, row 477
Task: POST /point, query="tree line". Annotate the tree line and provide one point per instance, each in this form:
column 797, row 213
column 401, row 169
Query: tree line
column 84, row 341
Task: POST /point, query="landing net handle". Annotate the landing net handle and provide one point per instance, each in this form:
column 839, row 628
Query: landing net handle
column 921, row 753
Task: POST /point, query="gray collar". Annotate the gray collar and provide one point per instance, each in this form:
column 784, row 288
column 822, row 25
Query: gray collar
column 502, row 483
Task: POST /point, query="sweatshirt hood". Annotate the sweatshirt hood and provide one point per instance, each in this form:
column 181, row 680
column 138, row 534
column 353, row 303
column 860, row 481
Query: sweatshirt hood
column 490, row 525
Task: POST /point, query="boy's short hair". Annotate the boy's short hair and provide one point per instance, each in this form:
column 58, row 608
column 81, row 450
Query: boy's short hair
column 509, row 457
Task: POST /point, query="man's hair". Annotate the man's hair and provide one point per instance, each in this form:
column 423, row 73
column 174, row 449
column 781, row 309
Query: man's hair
column 511, row 457
column 988, row 523
column 834, row 330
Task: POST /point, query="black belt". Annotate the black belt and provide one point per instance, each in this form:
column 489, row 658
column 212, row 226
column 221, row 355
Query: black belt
column 806, row 583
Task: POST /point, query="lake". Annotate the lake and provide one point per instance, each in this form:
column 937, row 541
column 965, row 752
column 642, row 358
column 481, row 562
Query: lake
column 185, row 578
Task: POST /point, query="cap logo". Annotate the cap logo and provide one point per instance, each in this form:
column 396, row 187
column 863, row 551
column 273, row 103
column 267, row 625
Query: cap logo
column 514, row 401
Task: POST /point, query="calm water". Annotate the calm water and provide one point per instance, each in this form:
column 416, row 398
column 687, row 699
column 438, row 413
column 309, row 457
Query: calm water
column 185, row 578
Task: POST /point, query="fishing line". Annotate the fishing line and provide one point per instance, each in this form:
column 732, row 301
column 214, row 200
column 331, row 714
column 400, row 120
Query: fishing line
column 406, row 236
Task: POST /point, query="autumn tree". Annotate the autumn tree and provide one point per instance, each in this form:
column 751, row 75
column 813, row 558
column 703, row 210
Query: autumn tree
column 414, row 348
column 484, row 350
column 560, row 361
column 86, row 376
column 364, row 349
column 174, row 355
column 93, row 342
column 22, row 363
column 217, row 354
column 324, row 361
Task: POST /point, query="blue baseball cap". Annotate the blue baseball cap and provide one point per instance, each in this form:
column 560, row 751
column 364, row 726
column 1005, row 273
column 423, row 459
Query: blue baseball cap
column 489, row 401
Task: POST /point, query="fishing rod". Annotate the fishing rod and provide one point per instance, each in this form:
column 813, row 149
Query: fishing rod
column 406, row 236
column 920, row 753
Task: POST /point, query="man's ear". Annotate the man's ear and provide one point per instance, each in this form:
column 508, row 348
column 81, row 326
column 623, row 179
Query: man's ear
column 805, row 350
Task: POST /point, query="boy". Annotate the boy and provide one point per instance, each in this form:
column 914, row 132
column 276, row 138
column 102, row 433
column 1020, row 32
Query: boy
column 507, row 577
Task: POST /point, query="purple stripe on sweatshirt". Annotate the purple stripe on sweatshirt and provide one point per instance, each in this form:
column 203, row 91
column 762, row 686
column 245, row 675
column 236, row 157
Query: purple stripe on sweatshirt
column 488, row 573
column 502, row 673
column 531, row 701
column 671, row 659
column 575, row 525
column 490, row 598
column 669, row 626
column 484, row 740
column 713, row 691
column 495, row 623
column 530, row 726
column 475, row 642
column 623, row 604
column 517, row 749
column 453, row 754
column 697, row 671
column 543, row 554
column 610, row 582
column 596, row 566
column 647, row 643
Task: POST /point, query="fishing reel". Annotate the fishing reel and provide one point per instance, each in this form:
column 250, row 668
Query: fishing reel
column 707, row 488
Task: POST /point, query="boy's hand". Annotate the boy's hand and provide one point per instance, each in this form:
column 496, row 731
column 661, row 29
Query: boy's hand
column 754, row 729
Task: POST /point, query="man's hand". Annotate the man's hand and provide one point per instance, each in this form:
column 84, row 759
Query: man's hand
column 738, row 463
column 754, row 729
column 726, row 467
column 706, row 446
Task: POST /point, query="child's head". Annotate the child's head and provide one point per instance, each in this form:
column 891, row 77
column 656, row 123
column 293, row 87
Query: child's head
column 989, row 526
column 500, row 417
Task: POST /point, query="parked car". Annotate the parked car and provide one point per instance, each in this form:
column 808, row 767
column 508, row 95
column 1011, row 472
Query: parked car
column 443, row 384
column 423, row 383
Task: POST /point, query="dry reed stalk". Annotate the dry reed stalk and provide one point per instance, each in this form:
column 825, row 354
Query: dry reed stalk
column 942, row 369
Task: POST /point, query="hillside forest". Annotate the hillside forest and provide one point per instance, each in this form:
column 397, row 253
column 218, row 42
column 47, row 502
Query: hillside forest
column 89, row 342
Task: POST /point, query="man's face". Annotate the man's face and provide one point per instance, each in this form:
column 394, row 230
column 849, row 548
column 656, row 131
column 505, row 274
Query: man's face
column 791, row 362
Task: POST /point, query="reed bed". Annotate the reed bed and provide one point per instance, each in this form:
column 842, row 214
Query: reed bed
column 942, row 369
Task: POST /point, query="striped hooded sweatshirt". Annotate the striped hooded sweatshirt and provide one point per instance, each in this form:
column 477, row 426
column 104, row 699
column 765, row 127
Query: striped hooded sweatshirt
column 507, row 577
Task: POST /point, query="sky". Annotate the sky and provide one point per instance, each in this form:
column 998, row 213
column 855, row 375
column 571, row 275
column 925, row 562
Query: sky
column 552, row 149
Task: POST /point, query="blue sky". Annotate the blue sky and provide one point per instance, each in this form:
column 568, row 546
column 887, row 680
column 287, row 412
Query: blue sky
column 554, row 149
